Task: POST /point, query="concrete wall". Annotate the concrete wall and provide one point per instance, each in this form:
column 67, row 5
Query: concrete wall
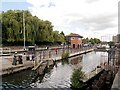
column 118, row 38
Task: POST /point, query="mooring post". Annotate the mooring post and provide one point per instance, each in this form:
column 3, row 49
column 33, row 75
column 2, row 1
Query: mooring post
column 49, row 53
column 40, row 56
column 43, row 54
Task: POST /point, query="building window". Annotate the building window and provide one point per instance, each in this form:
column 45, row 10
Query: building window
column 79, row 38
column 72, row 38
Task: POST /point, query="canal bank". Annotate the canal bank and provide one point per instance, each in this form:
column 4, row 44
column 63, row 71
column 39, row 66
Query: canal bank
column 59, row 75
column 116, row 82
column 10, row 69
column 51, row 61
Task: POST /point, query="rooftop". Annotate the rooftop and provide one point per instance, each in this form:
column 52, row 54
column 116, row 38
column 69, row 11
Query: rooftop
column 75, row 35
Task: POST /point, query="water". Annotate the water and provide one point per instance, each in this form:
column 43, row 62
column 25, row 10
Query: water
column 92, row 60
column 59, row 75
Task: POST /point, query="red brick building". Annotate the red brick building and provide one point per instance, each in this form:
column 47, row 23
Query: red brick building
column 74, row 40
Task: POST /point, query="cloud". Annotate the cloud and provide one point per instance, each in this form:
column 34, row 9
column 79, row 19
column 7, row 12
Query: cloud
column 100, row 22
column 13, row 0
column 78, row 16
column 51, row 4
column 91, row 1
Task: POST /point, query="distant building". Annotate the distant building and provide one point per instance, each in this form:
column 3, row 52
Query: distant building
column 74, row 40
column 114, row 39
column 118, row 38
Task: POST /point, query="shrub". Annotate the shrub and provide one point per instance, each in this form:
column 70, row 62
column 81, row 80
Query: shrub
column 77, row 78
column 65, row 55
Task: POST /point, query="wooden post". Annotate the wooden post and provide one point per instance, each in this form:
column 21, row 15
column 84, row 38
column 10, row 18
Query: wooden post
column 49, row 53
column 96, row 70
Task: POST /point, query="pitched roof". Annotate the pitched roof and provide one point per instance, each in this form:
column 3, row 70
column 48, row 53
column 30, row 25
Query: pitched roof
column 75, row 35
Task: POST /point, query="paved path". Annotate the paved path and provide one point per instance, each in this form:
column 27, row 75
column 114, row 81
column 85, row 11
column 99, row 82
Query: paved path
column 6, row 66
column 6, row 61
column 13, row 49
column 116, row 82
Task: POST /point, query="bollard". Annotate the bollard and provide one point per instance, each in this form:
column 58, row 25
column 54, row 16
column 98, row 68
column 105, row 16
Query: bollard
column 43, row 54
column 49, row 54
column 40, row 55
column 20, row 60
column 14, row 61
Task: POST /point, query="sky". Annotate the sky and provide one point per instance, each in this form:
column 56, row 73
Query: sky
column 89, row 18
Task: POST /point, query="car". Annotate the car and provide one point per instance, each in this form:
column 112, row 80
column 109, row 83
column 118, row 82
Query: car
column 85, row 45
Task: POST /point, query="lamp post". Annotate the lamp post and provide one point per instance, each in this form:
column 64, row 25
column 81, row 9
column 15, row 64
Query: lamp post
column 68, row 43
column 24, row 29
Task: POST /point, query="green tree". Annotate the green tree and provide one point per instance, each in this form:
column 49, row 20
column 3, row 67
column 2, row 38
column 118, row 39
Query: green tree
column 91, row 40
column 111, row 43
column 36, row 30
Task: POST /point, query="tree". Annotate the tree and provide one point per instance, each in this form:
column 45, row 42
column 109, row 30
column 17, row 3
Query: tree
column 62, row 33
column 85, row 40
column 91, row 40
column 36, row 30
column 111, row 44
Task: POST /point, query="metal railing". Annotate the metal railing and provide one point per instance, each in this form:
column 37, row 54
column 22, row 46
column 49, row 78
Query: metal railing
column 51, row 53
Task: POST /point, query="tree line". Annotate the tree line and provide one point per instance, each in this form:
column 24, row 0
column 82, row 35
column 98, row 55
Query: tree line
column 37, row 31
column 91, row 40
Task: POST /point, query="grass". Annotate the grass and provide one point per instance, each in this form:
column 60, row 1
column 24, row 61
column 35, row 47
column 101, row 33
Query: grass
column 65, row 55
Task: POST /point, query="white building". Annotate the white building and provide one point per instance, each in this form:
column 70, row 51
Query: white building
column 118, row 38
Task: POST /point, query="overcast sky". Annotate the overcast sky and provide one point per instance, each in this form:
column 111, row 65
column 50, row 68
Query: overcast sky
column 89, row 18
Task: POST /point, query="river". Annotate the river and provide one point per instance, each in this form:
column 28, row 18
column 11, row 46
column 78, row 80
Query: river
column 59, row 75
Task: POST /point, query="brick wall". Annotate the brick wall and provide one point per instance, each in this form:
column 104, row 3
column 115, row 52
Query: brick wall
column 76, row 41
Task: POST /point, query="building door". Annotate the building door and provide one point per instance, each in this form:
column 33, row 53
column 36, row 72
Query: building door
column 73, row 45
column 78, row 46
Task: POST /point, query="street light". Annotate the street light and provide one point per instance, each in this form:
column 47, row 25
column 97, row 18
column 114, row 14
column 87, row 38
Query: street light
column 68, row 42
column 24, row 29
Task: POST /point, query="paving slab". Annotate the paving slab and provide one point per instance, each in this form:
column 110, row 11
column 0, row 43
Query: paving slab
column 116, row 82
column 6, row 66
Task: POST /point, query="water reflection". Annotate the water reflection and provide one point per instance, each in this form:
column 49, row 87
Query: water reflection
column 92, row 60
column 59, row 75
column 76, row 60
column 23, row 78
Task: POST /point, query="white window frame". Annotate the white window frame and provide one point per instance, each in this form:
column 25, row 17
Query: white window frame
column 72, row 38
